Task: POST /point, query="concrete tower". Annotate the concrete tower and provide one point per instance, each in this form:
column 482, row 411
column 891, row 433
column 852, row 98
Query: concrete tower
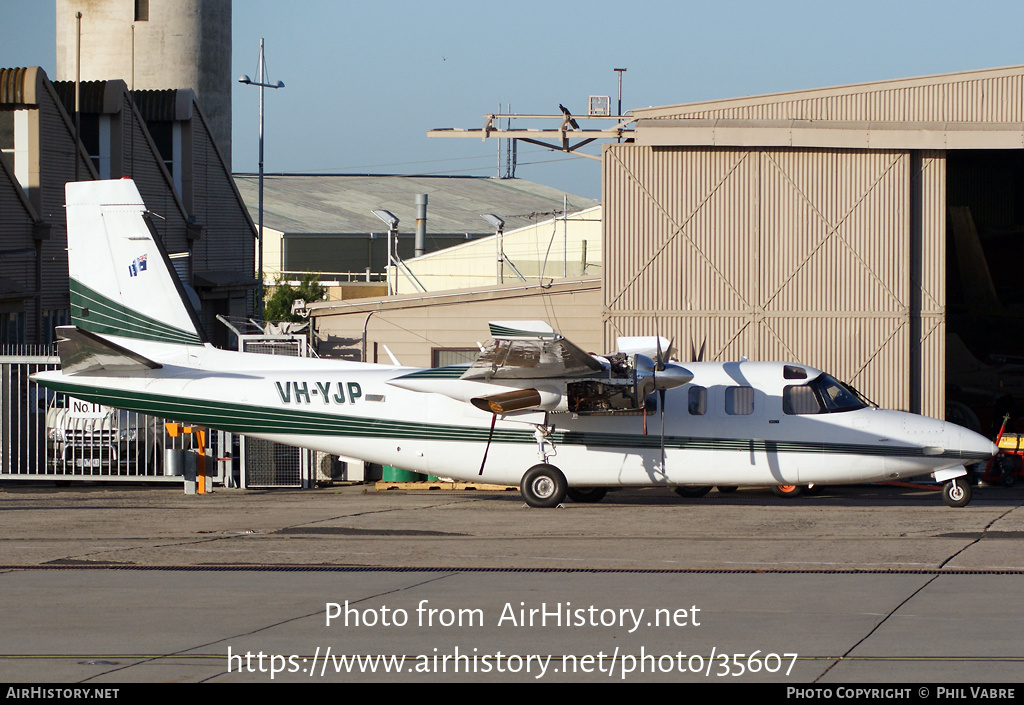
column 154, row 45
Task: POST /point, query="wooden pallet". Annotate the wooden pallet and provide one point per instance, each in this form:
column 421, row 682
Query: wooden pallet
column 382, row 485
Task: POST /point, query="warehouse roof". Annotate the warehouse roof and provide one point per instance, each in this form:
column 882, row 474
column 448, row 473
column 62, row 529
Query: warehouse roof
column 967, row 110
column 985, row 95
column 341, row 203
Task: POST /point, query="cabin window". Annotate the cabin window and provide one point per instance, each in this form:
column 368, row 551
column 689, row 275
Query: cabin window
column 739, row 401
column 697, row 402
column 800, row 399
column 794, row 372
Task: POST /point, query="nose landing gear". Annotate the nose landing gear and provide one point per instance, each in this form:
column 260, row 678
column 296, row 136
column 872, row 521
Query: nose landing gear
column 957, row 492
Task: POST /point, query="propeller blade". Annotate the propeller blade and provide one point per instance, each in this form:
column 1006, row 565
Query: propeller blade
column 661, row 399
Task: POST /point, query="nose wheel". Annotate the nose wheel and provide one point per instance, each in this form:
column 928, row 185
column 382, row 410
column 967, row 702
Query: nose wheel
column 957, row 492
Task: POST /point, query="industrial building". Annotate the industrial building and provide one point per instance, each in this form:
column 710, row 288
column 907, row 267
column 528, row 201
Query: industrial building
column 566, row 246
column 323, row 222
column 159, row 138
column 869, row 230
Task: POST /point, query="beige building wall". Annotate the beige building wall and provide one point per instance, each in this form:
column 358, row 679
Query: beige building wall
column 271, row 255
column 414, row 327
column 802, row 255
column 554, row 249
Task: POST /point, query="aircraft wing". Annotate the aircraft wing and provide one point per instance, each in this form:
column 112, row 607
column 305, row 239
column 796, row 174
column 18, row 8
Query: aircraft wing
column 529, row 350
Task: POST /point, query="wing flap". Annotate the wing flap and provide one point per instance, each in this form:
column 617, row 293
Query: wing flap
column 530, row 351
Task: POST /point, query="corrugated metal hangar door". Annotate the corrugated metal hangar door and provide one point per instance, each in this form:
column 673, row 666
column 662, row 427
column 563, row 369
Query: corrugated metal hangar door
column 802, row 255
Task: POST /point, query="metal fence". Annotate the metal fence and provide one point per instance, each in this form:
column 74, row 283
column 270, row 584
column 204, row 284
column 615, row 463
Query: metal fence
column 46, row 435
column 265, row 463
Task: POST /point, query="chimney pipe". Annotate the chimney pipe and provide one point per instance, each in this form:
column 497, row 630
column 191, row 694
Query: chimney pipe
column 421, row 224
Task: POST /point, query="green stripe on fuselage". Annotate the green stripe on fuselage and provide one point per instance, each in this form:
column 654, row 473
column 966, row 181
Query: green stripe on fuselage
column 244, row 418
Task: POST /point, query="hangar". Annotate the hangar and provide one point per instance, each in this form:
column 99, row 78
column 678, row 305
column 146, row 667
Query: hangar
column 870, row 230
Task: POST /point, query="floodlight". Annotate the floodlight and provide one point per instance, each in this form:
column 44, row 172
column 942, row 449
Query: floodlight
column 494, row 220
column 388, row 217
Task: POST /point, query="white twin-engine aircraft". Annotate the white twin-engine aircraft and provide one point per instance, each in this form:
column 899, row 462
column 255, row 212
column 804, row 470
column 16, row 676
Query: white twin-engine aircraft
column 533, row 410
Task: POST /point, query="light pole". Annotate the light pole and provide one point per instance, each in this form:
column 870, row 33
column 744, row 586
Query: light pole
column 261, row 81
column 499, row 240
column 391, row 221
column 620, row 72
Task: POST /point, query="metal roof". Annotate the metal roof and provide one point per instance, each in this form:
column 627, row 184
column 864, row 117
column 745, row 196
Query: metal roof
column 485, row 293
column 341, row 203
column 900, row 90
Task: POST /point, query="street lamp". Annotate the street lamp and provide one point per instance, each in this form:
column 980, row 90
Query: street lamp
column 391, row 221
column 499, row 240
column 262, row 83
column 620, row 72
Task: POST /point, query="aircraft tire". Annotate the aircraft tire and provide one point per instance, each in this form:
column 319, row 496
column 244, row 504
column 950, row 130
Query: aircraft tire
column 787, row 490
column 692, row 491
column 727, row 489
column 957, row 492
column 586, row 495
column 543, row 486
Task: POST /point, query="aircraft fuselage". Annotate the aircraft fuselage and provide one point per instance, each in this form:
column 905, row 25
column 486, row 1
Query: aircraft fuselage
column 727, row 426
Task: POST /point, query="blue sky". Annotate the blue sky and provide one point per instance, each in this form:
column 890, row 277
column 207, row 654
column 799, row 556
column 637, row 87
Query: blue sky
column 366, row 80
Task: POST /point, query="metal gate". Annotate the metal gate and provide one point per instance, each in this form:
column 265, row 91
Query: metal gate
column 46, row 435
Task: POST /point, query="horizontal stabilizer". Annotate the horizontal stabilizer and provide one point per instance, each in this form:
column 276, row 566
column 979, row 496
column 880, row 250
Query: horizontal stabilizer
column 82, row 352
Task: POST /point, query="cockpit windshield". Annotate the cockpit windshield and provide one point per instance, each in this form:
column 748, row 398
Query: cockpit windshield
column 835, row 394
column 822, row 395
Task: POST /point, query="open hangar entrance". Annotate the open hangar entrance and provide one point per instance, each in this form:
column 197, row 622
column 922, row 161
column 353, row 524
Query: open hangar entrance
column 984, row 287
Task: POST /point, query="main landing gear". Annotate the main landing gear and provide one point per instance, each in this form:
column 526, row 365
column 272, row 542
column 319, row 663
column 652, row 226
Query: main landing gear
column 544, row 486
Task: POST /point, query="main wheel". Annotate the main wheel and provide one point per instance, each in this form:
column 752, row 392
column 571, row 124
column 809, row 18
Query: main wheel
column 787, row 490
column 586, row 495
column 543, row 486
column 727, row 489
column 692, row 491
column 957, row 492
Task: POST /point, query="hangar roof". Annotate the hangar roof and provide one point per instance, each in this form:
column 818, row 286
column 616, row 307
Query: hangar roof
column 832, row 102
column 341, row 203
column 967, row 110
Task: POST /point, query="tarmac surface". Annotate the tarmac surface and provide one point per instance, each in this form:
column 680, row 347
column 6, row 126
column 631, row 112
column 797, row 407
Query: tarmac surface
column 868, row 584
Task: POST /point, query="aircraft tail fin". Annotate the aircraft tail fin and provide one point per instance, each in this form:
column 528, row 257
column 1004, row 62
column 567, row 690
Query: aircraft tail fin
column 122, row 282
